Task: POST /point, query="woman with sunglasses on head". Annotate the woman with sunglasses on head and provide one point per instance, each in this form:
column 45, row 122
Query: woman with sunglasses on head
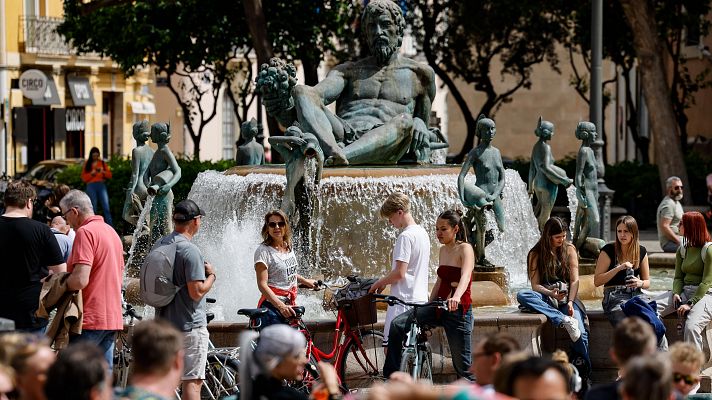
column 691, row 296
column 552, row 265
column 276, row 270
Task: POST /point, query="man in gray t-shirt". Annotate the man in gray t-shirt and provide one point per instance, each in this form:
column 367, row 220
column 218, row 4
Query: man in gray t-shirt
column 669, row 215
column 195, row 277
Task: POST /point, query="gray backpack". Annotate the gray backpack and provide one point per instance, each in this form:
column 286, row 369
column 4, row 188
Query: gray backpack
column 156, row 277
column 683, row 252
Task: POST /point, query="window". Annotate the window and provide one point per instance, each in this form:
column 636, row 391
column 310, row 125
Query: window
column 228, row 128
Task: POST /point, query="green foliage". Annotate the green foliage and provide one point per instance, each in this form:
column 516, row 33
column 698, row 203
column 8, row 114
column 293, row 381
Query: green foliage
column 477, row 41
column 636, row 185
column 121, row 175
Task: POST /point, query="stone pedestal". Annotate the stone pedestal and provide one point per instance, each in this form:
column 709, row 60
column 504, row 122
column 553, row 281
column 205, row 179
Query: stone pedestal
column 587, row 266
column 498, row 276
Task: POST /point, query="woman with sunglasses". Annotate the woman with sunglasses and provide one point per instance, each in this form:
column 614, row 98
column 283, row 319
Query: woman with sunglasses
column 276, row 269
column 552, row 265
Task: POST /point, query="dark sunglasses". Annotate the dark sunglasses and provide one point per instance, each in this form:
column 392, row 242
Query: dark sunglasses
column 273, row 224
column 689, row 379
column 677, row 187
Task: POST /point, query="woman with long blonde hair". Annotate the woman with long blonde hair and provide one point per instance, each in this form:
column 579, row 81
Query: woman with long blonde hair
column 552, row 265
column 276, row 270
column 622, row 268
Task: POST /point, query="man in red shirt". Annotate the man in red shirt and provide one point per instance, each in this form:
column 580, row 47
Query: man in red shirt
column 96, row 265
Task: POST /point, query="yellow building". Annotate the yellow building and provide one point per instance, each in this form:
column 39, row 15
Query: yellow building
column 67, row 103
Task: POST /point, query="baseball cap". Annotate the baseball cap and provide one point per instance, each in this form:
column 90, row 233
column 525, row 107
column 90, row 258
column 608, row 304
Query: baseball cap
column 186, row 210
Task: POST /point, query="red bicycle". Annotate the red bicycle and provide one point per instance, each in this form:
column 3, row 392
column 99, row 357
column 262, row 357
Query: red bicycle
column 357, row 352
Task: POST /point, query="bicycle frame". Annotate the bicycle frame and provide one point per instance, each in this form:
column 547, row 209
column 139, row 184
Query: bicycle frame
column 343, row 335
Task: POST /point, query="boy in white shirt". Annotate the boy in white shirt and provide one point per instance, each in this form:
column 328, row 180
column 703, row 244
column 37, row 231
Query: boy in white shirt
column 411, row 258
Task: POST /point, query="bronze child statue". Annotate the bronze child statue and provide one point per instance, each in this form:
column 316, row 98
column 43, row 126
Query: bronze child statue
column 486, row 192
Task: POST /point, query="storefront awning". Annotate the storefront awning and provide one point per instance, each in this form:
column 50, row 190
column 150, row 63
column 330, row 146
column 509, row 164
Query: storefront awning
column 81, row 92
column 50, row 97
column 142, row 107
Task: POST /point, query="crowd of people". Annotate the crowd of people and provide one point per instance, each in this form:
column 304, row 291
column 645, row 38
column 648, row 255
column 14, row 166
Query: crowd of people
column 82, row 278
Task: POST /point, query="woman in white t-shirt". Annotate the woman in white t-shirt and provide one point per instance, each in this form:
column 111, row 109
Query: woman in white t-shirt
column 276, row 270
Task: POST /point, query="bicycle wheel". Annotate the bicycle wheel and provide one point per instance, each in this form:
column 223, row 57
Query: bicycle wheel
column 426, row 367
column 362, row 364
column 409, row 364
column 221, row 377
column 122, row 362
column 309, row 379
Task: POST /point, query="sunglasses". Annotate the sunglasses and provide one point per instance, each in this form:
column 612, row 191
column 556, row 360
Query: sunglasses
column 677, row 187
column 689, row 379
column 273, row 224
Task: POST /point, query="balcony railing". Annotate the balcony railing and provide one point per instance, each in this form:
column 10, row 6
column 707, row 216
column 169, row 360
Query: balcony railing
column 41, row 37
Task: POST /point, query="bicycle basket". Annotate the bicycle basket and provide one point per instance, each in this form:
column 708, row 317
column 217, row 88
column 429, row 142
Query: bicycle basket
column 329, row 301
column 356, row 302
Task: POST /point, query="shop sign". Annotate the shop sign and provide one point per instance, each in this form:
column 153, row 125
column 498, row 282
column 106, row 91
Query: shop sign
column 33, row 83
column 75, row 119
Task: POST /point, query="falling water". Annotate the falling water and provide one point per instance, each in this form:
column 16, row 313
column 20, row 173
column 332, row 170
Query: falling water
column 138, row 232
column 350, row 235
column 573, row 205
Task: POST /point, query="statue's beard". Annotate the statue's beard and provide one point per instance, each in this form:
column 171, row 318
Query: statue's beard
column 383, row 51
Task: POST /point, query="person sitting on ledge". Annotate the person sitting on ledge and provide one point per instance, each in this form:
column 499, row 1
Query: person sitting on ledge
column 552, row 265
column 669, row 214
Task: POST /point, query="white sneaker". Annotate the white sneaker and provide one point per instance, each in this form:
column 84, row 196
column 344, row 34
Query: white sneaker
column 571, row 326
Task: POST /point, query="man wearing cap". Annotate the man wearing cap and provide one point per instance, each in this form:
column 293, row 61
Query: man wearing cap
column 195, row 277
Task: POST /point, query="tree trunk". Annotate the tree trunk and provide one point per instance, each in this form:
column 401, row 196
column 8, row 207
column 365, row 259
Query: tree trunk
column 262, row 45
column 311, row 73
column 640, row 15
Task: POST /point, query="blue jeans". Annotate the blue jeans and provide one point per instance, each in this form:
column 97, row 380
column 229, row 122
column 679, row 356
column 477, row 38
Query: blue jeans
column 272, row 317
column 458, row 329
column 104, row 339
column 99, row 196
column 541, row 304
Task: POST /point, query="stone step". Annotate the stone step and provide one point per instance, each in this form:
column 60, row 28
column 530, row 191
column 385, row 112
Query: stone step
column 533, row 332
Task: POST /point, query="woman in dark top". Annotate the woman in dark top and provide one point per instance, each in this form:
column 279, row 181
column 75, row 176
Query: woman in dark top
column 622, row 267
column 552, row 265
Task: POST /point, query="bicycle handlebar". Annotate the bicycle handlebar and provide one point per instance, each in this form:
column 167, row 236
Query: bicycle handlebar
column 393, row 300
column 131, row 312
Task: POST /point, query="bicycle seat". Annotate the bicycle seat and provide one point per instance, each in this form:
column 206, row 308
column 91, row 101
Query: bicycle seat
column 209, row 316
column 299, row 310
column 252, row 313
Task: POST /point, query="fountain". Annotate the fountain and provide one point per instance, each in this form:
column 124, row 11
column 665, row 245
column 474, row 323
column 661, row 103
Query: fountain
column 350, row 237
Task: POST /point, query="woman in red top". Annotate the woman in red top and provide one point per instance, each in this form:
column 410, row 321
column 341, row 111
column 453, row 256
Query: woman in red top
column 456, row 262
column 94, row 173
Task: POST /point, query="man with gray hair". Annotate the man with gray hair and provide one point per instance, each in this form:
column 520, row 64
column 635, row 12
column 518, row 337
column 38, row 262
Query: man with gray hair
column 669, row 215
column 96, row 264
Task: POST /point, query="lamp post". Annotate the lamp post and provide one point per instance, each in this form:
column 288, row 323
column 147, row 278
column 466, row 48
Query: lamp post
column 605, row 194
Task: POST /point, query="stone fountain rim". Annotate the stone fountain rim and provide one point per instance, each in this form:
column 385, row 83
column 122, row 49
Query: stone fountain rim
column 355, row 171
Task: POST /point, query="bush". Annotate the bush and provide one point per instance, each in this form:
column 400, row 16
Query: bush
column 121, row 175
column 637, row 186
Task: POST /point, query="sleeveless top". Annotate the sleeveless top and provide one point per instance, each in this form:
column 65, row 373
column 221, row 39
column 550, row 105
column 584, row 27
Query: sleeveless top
column 619, row 278
column 449, row 274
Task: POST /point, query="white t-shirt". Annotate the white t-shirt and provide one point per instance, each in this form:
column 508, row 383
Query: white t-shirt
column 281, row 267
column 413, row 247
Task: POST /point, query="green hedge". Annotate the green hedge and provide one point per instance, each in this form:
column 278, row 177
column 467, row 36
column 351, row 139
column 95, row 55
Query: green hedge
column 121, row 170
column 636, row 185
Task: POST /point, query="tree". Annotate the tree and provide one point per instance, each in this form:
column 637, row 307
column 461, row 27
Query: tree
column 192, row 42
column 467, row 39
column 640, row 16
column 673, row 17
